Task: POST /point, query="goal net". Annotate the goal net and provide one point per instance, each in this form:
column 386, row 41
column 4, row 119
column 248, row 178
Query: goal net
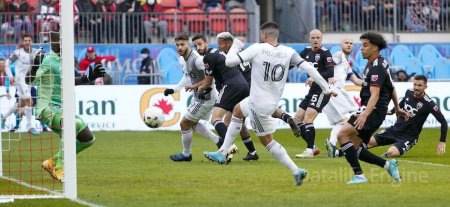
column 26, row 143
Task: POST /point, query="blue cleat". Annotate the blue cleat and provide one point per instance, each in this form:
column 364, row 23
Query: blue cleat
column 299, row 175
column 357, row 179
column 393, row 170
column 216, row 157
column 180, row 157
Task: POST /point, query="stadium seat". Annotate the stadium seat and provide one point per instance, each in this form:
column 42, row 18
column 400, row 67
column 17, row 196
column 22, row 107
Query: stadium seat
column 186, row 5
column 174, row 20
column 335, row 48
column 217, row 21
column 168, row 4
column 399, row 57
column 441, row 69
column 414, row 66
column 428, row 55
column 238, row 21
column 169, row 66
column 196, row 20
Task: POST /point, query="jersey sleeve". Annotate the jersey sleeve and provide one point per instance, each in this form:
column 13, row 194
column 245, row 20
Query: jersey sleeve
column 209, row 64
column 199, row 63
column 441, row 119
column 377, row 76
column 329, row 65
column 296, row 60
column 246, row 55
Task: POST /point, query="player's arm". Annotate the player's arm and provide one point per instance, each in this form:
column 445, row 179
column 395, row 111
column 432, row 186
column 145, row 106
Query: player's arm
column 93, row 73
column 401, row 104
column 8, row 64
column 208, row 63
column 444, row 127
column 355, row 80
column 329, row 65
column 398, row 110
column 181, row 84
column 234, row 57
column 37, row 61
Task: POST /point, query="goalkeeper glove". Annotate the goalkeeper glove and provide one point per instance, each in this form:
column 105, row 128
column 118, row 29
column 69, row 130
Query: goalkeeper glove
column 203, row 93
column 94, row 72
column 168, row 91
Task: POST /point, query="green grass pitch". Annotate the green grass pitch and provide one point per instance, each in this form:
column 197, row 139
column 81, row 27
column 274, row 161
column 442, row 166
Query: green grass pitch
column 133, row 169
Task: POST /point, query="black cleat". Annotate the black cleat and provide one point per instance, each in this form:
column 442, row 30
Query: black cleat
column 249, row 157
column 294, row 127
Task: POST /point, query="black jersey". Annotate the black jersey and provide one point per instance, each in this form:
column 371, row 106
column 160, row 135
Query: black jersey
column 418, row 110
column 377, row 74
column 215, row 66
column 246, row 70
column 322, row 61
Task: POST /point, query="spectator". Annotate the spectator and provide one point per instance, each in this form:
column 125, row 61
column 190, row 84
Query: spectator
column 386, row 13
column 48, row 18
column 22, row 23
column 415, row 20
column 151, row 6
column 211, row 4
column 6, row 29
column 127, row 6
column 92, row 57
column 110, row 20
column 89, row 18
column 368, row 14
column 231, row 4
column 336, row 9
column 433, row 12
column 147, row 67
column 402, row 76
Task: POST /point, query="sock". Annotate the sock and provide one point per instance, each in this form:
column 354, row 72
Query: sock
column 285, row 117
column 84, row 145
column 302, row 131
column 206, row 132
column 233, row 130
column 27, row 113
column 249, row 144
column 335, row 132
column 366, row 156
column 339, row 153
column 17, row 120
column 280, row 154
column 186, row 139
column 221, row 128
column 310, row 135
column 352, row 159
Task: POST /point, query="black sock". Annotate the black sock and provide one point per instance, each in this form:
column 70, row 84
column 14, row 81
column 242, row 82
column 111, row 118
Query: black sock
column 340, row 153
column 310, row 135
column 302, row 131
column 366, row 156
column 220, row 142
column 285, row 117
column 220, row 128
column 350, row 155
column 249, row 144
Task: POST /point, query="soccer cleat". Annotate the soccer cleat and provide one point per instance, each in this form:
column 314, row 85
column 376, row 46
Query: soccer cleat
column 49, row 166
column 393, row 170
column 180, row 157
column 249, row 157
column 34, row 132
column 330, row 148
column 316, row 150
column 216, row 157
column 294, row 127
column 357, row 179
column 299, row 175
column 305, row 154
column 384, row 155
column 231, row 151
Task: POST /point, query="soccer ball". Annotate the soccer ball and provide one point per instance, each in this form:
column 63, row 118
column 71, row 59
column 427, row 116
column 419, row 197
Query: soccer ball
column 153, row 117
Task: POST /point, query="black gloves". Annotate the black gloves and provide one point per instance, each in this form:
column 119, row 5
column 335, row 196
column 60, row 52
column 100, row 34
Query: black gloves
column 94, row 72
column 202, row 94
column 168, row 91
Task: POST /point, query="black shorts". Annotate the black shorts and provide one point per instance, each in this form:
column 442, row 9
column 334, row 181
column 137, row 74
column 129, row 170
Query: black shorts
column 373, row 122
column 230, row 95
column 402, row 142
column 315, row 99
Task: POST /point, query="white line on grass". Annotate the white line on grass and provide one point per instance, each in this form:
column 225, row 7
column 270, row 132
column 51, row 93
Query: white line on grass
column 426, row 163
column 55, row 194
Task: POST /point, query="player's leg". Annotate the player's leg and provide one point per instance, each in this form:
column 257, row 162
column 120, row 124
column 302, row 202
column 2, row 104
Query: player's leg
column 186, row 126
column 217, row 121
column 309, row 133
column 206, row 132
column 400, row 147
column 280, row 114
column 248, row 142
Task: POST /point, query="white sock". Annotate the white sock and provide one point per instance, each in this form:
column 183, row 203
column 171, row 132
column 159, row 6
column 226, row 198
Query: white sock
column 206, row 132
column 233, row 130
column 186, row 139
column 386, row 165
column 335, row 132
column 309, row 151
column 27, row 113
column 280, row 154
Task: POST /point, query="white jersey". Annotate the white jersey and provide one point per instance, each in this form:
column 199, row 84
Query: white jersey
column 270, row 67
column 23, row 61
column 341, row 70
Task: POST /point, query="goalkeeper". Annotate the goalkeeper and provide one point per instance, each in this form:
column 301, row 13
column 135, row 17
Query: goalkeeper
column 46, row 74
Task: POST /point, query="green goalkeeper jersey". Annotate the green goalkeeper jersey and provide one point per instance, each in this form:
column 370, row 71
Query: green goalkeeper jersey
column 48, row 81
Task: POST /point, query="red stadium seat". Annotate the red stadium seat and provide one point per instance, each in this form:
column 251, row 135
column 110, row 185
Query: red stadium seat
column 168, row 4
column 174, row 19
column 217, row 21
column 238, row 21
column 186, row 5
column 196, row 20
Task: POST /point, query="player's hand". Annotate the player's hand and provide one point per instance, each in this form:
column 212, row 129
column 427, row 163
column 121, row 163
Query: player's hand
column 309, row 82
column 360, row 121
column 330, row 93
column 402, row 113
column 168, row 91
column 96, row 72
column 440, row 148
column 39, row 57
column 331, row 81
column 203, row 92
column 190, row 88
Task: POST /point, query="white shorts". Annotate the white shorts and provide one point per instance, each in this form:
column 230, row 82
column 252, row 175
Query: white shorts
column 199, row 109
column 339, row 107
column 262, row 124
column 23, row 90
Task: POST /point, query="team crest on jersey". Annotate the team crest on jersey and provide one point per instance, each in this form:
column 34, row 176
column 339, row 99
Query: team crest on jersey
column 436, row 108
column 329, row 59
column 317, row 57
column 419, row 105
column 206, row 65
column 374, row 77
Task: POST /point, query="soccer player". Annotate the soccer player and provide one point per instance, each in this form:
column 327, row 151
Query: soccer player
column 46, row 74
column 403, row 135
column 193, row 75
column 315, row 100
column 271, row 62
column 376, row 93
column 339, row 108
column 23, row 57
column 233, row 89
